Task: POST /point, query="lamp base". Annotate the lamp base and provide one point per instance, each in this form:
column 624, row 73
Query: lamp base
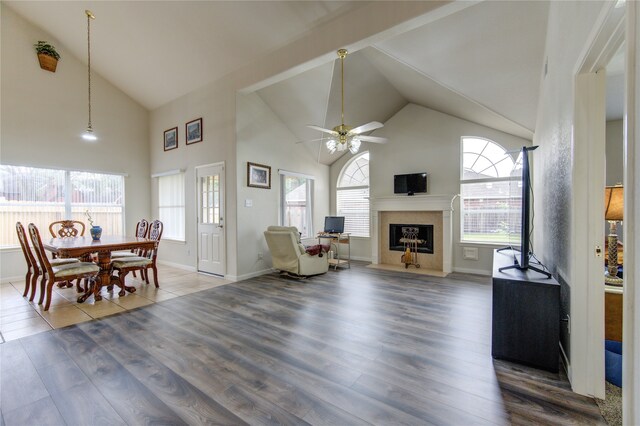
column 613, row 280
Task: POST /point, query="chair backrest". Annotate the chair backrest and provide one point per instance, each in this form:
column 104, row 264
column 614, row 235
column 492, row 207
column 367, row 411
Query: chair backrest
column 155, row 233
column 142, row 228
column 66, row 228
column 43, row 260
column 284, row 249
column 292, row 229
column 26, row 250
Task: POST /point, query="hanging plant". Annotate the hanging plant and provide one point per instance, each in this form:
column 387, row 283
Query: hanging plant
column 48, row 56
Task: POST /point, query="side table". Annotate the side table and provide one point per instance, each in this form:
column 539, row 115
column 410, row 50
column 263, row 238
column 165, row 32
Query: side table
column 336, row 240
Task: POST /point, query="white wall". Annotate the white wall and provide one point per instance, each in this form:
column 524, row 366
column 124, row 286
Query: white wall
column 216, row 104
column 44, row 115
column 424, row 140
column 615, row 162
column 264, row 139
column 615, row 152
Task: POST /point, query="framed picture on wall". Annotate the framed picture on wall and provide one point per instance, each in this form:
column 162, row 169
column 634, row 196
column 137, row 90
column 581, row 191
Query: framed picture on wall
column 194, row 131
column 258, row 175
column 171, row 139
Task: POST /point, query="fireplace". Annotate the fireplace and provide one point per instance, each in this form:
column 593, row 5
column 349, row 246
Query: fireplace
column 435, row 210
column 401, row 234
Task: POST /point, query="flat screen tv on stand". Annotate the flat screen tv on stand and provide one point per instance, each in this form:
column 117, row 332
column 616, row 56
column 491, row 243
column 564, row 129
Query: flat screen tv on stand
column 334, row 225
column 522, row 253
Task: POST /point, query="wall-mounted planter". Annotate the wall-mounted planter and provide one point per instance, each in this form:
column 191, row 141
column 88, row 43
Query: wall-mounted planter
column 47, row 55
column 47, row 62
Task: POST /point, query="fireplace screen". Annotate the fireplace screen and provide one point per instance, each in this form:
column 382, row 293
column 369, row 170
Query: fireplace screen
column 400, row 234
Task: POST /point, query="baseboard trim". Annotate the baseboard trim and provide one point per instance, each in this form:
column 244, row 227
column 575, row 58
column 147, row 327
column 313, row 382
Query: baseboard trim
column 249, row 275
column 6, row 280
column 472, row 271
column 565, row 362
column 178, row 265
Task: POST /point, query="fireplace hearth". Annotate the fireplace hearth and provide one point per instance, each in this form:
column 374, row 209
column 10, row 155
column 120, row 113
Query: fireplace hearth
column 424, row 236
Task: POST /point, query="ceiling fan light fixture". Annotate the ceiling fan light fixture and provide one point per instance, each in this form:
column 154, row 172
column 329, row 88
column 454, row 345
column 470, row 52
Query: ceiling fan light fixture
column 354, row 145
column 331, row 145
column 345, row 137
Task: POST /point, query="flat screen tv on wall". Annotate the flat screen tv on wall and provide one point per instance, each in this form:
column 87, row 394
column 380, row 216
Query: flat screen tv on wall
column 410, row 184
column 522, row 252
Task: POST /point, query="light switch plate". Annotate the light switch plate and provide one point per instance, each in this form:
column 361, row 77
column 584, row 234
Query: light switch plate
column 248, row 203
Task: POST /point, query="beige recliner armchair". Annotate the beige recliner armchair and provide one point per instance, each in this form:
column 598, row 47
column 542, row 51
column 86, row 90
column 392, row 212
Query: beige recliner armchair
column 289, row 255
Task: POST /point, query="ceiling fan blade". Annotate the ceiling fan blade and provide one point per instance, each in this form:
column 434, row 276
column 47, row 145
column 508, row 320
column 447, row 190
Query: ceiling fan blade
column 367, row 127
column 374, row 139
column 311, row 126
column 311, row 140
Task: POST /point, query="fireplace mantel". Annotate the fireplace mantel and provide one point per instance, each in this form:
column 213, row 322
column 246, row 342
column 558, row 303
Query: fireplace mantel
column 440, row 203
column 412, row 203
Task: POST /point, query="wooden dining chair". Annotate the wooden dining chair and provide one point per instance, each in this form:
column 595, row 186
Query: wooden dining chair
column 60, row 273
column 66, row 228
column 69, row 228
column 142, row 229
column 144, row 262
column 33, row 271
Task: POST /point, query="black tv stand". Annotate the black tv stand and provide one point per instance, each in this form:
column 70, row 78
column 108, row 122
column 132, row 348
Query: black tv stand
column 525, row 324
column 516, row 265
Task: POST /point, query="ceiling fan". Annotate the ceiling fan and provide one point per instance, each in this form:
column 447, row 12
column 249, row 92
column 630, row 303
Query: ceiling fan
column 344, row 137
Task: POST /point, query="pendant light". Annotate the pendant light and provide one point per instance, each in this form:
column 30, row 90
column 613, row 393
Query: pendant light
column 89, row 135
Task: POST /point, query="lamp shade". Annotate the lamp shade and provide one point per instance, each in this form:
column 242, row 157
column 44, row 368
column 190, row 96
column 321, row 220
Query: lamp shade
column 613, row 202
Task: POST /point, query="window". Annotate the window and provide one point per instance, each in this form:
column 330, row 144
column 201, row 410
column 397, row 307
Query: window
column 210, row 199
column 42, row 196
column 295, row 208
column 352, row 195
column 171, row 205
column 489, row 202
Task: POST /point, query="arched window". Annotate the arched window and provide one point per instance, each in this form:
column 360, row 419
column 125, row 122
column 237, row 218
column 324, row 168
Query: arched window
column 490, row 199
column 352, row 195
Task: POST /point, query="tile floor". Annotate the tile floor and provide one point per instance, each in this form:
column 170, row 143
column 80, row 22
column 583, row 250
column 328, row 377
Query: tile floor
column 20, row 318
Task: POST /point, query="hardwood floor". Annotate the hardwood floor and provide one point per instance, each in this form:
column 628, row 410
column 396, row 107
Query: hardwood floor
column 354, row 346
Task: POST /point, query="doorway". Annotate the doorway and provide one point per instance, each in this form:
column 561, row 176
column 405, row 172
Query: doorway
column 210, row 211
column 587, row 299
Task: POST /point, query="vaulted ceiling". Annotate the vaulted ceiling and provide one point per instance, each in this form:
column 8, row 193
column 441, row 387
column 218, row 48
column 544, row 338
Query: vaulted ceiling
column 483, row 63
column 157, row 51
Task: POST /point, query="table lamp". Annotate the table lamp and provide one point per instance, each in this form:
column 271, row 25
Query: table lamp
column 614, row 204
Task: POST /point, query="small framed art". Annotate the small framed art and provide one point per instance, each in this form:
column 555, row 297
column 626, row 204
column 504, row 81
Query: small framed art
column 194, row 131
column 258, row 175
column 171, row 139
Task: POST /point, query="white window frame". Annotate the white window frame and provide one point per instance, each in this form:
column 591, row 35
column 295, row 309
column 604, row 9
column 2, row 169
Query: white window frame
column 487, row 180
column 179, row 206
column 68, row 204
column 347, row 228
column 305, row 233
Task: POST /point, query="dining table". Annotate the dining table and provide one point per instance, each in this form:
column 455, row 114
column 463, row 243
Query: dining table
column 84, row 247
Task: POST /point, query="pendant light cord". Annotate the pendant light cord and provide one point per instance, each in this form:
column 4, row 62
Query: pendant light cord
column 342, row 91
column 89, row 18
column 342, row 53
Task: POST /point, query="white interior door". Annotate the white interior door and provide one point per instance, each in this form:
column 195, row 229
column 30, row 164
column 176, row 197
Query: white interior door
column 210, row 202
